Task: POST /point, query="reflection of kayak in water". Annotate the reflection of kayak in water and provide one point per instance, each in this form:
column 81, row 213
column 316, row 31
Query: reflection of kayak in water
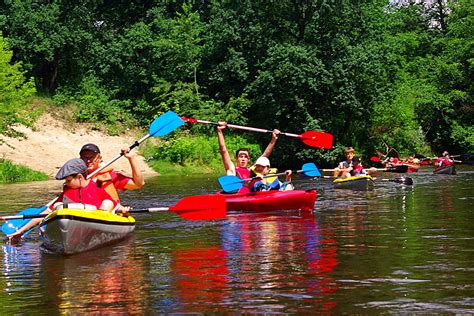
column 271, row 200
column 362, row 182
column 445, row 169
column 70, row 231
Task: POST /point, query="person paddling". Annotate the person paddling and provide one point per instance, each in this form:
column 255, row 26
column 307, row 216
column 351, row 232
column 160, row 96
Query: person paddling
column 77, row 189
column 108, row 178
column 344, row 168
column 262, row 183
column 242, row 155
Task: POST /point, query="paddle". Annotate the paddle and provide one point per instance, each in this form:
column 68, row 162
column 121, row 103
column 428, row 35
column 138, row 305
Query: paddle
column 400, row 180
column 395, row 169
column 201, row 207
column 310, row 138
column 234, row 183
column 161, row 126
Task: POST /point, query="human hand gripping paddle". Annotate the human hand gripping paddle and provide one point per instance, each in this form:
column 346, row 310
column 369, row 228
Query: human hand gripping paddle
column 234, row 183
column 201, row 207
column 310, row 138
column 161, row 126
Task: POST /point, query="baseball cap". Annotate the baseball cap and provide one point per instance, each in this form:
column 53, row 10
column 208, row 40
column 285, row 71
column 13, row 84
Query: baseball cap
column 263, row 161
column 71, row 167
column 90, row 147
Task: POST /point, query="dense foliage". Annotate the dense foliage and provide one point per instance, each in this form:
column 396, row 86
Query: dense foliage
column 368, row 71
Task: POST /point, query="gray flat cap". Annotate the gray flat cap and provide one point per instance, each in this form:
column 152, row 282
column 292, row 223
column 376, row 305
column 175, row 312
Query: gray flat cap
column 71, row 167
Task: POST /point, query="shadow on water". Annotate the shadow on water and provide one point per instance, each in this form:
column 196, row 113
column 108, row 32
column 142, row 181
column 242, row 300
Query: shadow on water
column 395, row 249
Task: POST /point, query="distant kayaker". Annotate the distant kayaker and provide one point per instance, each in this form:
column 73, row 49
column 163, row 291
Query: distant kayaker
column 77, row 189
column 242, row 155
column 444, row 160
column 108, row 178
column 262, row 169
column 344, row 168
column 357, row 168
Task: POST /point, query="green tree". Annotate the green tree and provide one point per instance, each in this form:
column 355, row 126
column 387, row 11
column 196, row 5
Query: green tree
column 15, row 91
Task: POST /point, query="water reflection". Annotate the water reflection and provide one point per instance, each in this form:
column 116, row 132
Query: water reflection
column 273, row 257
column 110, row 280
column 396, row 249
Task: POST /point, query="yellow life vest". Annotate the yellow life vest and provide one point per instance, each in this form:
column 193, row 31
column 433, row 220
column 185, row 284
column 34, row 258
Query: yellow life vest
column 266, row 180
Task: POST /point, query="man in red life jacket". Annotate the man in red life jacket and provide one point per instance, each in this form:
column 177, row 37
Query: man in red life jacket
column 108, row 179
column 242, row 155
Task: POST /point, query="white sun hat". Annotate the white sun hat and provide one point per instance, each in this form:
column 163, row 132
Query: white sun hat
column 263, row 161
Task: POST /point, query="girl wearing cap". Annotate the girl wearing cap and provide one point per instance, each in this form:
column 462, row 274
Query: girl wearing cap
column 108, row 178
column 261, row 169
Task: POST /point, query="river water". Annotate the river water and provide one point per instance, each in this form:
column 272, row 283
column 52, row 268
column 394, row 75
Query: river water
column 395, row 249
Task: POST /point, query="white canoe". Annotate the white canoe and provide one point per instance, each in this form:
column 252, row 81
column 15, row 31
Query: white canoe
column 363, row 182
column 69, row 231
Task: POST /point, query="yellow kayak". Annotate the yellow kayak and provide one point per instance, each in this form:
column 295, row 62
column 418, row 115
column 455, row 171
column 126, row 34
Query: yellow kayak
column 362, row 182
column 69, row 231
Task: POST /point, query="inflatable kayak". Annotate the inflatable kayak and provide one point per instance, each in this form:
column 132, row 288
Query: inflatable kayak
column 271, row 200
column 362, row 182
column 70, row 231
column 445, row 169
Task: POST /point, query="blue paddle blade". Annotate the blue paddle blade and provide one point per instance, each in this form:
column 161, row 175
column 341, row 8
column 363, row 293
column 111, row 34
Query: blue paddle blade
column 230, row 183
column 310, row 170
column 9, row 227
column 165, row 124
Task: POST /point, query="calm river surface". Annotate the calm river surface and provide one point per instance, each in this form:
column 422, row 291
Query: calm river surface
column 396, row 249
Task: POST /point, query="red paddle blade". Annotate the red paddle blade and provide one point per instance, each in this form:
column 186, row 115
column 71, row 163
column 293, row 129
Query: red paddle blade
column 317, row 139
column 201, row 207
column 375, row 159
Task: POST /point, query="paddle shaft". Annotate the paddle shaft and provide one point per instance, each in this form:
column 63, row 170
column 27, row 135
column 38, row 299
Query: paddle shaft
column 111, row 161
column 140, row 210
column 246, row 128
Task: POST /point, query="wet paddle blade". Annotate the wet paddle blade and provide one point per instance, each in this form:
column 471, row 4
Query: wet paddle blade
column 317, row 139
column 310, row 170
column 201, row 207
column 375, row 159
column 12, row 226
column 230, row 183
column 165, row 124
column 397, row 169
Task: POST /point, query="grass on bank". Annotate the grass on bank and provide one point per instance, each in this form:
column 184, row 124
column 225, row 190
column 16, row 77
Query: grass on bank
column 10, row 172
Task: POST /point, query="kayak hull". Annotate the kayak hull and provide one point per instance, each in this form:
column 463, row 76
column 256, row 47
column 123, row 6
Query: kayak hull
column 363, row 183
column 265, row 201
column 69, row 231
column 447, row 169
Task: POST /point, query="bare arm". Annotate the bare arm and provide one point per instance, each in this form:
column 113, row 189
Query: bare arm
column 228, row 164
column 272, row 143
column 137, row 180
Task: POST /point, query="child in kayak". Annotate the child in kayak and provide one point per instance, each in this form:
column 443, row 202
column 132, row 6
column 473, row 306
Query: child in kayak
column 344, row 168
column 262, row 169
column 357, row 168
column 77, row 189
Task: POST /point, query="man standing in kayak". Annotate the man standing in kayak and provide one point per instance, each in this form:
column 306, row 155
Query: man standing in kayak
column 108, row 178
column 242, row 155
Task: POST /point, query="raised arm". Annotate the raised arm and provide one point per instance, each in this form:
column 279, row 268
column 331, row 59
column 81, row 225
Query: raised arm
column 228, row 164
column 272, row 143
column 137, row 180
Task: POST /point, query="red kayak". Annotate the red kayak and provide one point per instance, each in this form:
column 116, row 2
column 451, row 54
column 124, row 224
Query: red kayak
column 271, row 200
